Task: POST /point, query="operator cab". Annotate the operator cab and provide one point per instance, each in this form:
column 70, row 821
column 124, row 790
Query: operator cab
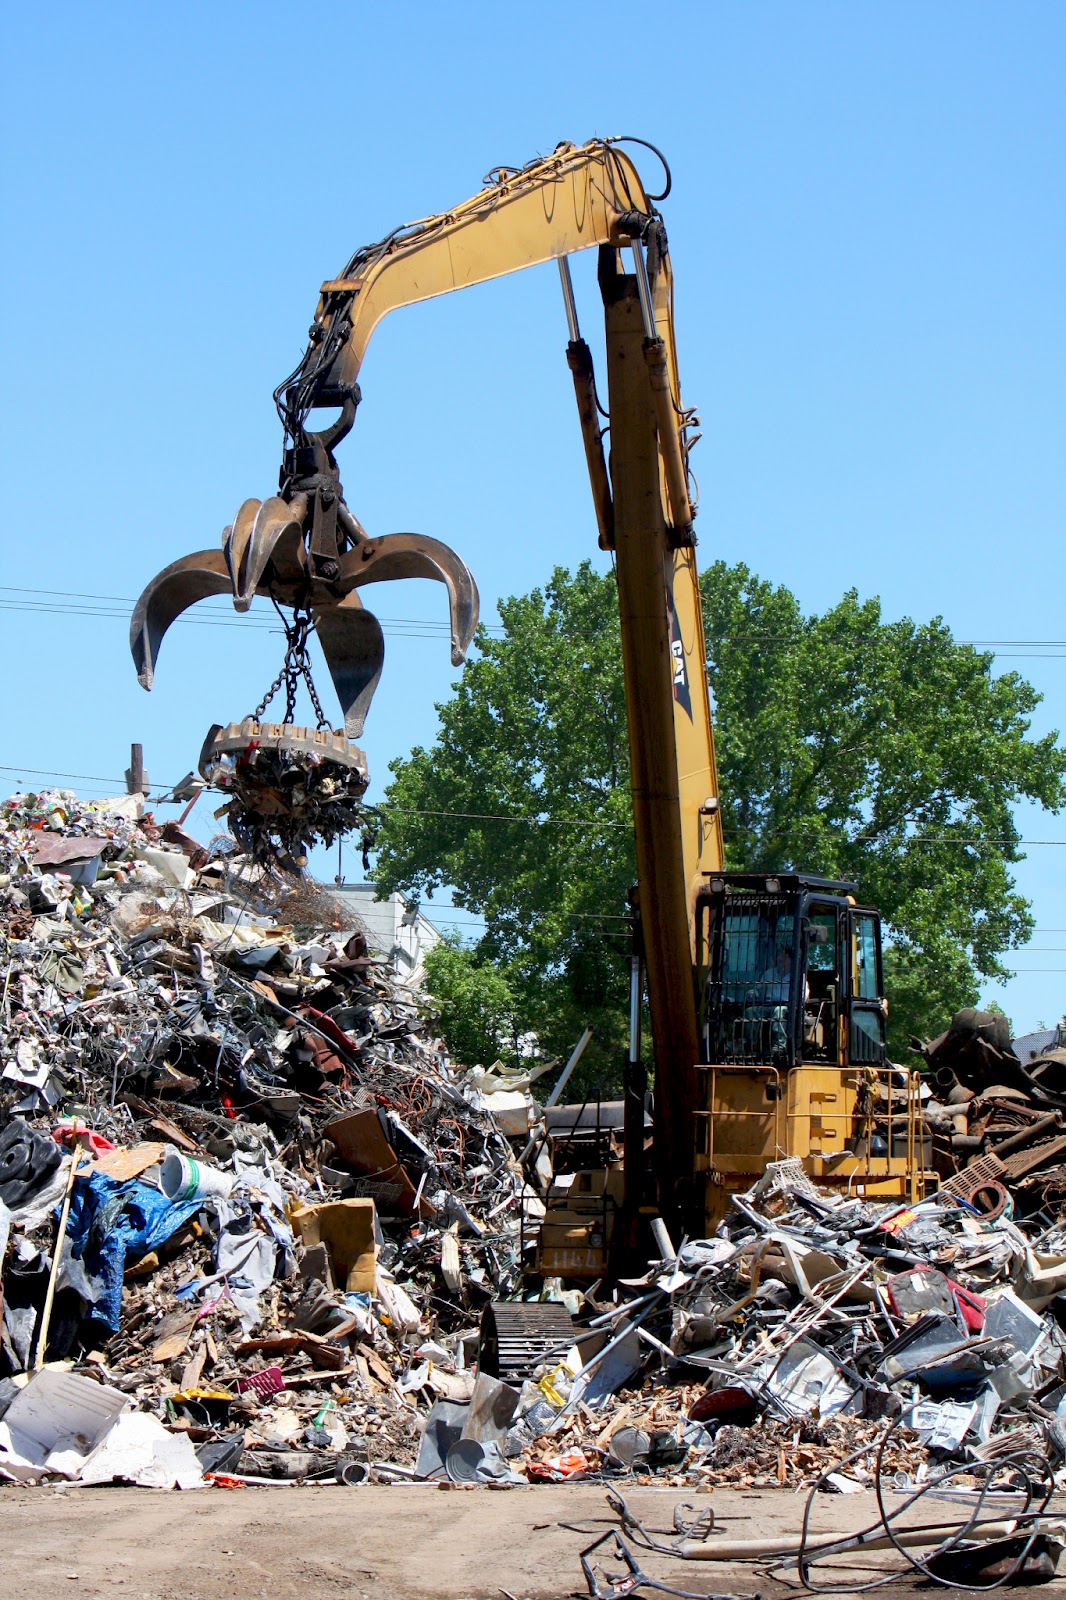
column 793, row 972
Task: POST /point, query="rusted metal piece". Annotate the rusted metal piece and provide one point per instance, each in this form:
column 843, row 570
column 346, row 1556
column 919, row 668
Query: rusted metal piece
column 990, row 1198
column 976, row 1052
column 1026, row 1136
column 1032, row 1158
column 1010, row 1107
column 986, row 1169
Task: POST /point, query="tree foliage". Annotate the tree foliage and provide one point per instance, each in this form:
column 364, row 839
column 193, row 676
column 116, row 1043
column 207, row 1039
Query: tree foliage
column 535, row 732
column 848, row 745
column 887, row 753
column 477, row 1009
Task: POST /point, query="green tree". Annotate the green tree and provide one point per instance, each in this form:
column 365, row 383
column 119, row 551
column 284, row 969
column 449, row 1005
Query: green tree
column 477, row 1008
column 535, row 732
column 878, row 751
column 886, row 753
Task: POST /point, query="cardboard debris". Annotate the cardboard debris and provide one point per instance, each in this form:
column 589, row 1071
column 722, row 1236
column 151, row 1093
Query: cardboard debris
column 346, row 1228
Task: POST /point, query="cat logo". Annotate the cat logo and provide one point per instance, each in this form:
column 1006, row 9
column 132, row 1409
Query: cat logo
column 677, row 650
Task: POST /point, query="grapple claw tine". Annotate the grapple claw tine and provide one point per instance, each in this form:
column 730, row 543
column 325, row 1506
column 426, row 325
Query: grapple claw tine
column 354, row 648
column 235, row 542
column 415, row 555
column 264, row 531
column 171, row 592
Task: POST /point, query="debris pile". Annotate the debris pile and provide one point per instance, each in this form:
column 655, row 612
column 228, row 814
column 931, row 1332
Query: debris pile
column 817, row 1329
column 280, row 1215
column 256, row 1227
column 998, row 1124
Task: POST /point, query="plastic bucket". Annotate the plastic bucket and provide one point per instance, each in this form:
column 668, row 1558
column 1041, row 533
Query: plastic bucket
column 181, row 1178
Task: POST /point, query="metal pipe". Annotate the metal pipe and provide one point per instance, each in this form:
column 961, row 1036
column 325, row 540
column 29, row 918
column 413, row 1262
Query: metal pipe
column 568, row 299
column 564, row 1076
column 591, row 1365
column 647, row 311
column 910, row 1538
column 1026, row 1136
column 636, row 985
column 635, row 1083
column 623, row 1311
column 579, row 360
column 663, row 1242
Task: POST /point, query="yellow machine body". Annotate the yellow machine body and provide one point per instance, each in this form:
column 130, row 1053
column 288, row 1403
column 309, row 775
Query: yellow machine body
column 720, row 1113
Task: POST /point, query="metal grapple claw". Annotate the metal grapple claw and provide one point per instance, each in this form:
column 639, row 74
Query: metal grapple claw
column 171, row 592
column 265, row 551
column 413, row 555
column 354, row 648
column 306, row 552
column 303, row 549
column 265, row 533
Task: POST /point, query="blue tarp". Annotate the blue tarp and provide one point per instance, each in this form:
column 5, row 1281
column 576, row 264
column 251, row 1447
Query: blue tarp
column 111, row 1223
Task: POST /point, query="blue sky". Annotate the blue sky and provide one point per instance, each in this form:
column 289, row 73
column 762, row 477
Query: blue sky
column 869, row 240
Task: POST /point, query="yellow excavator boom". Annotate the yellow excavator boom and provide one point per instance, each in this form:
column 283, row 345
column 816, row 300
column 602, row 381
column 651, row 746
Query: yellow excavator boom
column 577, row 198
column 765, row 990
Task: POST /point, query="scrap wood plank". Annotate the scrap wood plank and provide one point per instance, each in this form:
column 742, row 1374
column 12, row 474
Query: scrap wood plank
column 619, row 1420
column 321, row 1351
column 193, row 1369
column 173, row 1133
column 174, row 1332
column 305, row 1380
column 124, row 1164
column 379, row 1369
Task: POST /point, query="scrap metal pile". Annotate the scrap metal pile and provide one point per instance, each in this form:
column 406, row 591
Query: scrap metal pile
column 246, row 1092
column 255, row 1226
column 997, row 1121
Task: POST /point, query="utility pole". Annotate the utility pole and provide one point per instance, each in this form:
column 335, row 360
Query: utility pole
column 136, row 777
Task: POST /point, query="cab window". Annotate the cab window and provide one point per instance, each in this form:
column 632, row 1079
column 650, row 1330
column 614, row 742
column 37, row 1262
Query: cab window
column 822, row 946
column 821, row 979
column 867, row 1037
column 865, row 976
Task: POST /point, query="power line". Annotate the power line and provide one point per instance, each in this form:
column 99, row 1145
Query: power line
column 209, row 613
column 219, row 607
column 596, row 822
column 499, row 816
column 47, row 772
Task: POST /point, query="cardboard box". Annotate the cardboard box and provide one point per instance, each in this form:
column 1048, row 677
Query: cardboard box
column 347, row 1227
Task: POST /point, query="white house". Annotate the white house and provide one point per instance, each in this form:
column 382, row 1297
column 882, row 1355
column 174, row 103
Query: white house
column 395, row 928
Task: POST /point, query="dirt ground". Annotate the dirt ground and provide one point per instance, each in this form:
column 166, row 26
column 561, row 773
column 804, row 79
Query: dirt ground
column 410, row 1542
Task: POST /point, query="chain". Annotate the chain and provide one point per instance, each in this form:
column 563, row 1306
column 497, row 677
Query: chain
column 296, row 665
